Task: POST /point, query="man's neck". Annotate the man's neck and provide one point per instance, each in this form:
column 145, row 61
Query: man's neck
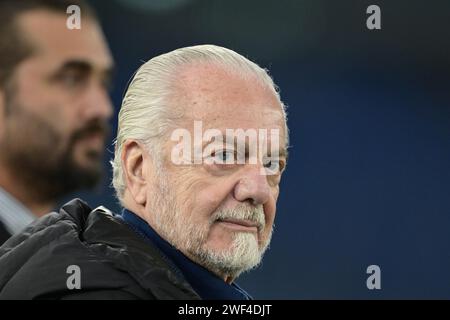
column 25, row 194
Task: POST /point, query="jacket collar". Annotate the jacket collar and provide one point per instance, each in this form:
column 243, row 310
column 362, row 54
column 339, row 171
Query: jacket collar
column 108, row 234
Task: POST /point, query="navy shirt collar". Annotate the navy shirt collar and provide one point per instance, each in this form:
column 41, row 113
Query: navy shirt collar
column 207, row 285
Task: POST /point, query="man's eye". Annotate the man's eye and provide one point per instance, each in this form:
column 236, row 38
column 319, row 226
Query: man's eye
column 71, row 80
column 224, row 157
column 273, row 166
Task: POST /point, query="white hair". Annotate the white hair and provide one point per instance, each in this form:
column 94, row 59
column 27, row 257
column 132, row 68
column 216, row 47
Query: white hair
column 146, row 115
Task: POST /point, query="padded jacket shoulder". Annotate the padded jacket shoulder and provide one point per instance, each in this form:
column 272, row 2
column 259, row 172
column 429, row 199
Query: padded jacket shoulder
column 114, row 261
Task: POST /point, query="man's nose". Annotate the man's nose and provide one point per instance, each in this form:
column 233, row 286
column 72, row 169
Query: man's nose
column 253, row 187
column 97, row 103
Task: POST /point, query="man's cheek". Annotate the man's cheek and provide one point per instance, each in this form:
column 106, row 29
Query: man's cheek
column 215, row 194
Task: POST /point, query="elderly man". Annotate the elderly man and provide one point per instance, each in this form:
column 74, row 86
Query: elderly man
column 54, row 107
column 199, row 198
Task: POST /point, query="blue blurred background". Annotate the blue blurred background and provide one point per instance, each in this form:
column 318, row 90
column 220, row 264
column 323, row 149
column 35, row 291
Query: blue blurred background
column 368, row 181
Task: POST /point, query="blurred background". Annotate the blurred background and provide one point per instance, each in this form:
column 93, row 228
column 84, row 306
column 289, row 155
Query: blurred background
column 368, row 179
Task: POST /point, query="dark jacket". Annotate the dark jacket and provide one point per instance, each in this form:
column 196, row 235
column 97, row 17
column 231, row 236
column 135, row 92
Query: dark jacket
column 4, row 234
column 115, row 262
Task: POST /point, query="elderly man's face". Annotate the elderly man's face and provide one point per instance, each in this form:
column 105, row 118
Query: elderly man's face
column 220, row 215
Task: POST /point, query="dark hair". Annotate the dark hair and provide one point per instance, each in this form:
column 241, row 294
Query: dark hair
column 14, row 47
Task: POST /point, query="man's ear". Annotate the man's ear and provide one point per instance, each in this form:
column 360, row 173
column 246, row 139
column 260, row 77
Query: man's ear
column 135, row 162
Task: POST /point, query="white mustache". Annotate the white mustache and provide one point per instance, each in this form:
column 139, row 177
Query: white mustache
column 242, row 212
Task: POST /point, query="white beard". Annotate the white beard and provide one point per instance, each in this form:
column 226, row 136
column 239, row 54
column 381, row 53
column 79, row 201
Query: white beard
column 178, row 228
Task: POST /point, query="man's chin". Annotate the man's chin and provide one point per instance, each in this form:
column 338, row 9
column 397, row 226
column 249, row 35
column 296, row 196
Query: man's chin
column 85, row 173
column 88, row 165
column 84, row 178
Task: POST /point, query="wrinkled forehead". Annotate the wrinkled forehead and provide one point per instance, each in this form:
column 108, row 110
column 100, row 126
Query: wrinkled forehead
column 222, row 99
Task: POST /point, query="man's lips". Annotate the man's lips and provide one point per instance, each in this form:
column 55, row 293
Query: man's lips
column 238, row 224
